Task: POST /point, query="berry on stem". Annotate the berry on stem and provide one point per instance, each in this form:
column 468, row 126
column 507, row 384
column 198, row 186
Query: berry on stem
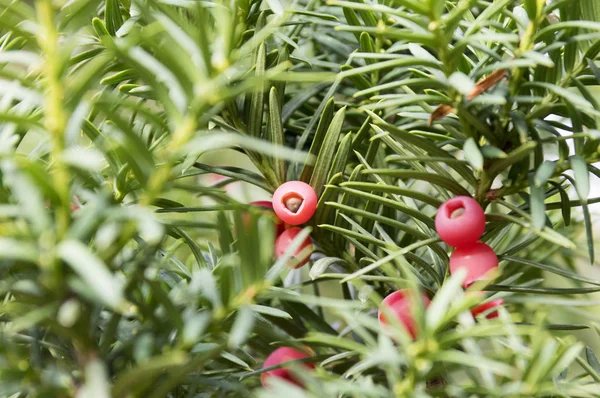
column 302, row 255
column 295, row 202
column 478, row 259
column 281, row 355
column 460, row 221
column 481, row 308
column 401, row 305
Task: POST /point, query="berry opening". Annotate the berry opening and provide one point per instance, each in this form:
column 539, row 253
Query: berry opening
column 293, row 202
column 455, row 209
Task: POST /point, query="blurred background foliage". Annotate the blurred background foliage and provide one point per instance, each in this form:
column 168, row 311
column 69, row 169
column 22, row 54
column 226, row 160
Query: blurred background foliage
column 134, row 133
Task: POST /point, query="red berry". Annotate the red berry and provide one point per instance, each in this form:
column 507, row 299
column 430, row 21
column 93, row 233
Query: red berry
column 281, row 355
column 279, row 225
column 267, row 204
column 460, row 221
column 478, row 259
column 481, row 308
column 401, row 305
column 303, row 253
column 295, row 202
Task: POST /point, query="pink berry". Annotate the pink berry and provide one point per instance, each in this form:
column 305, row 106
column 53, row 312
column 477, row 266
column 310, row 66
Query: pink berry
column 460, row 221
column 303, row 253
column 295, row 202
column 481, row 308
column 281, row 355
column 478, row 259
column 400, row 304
column 279, row 225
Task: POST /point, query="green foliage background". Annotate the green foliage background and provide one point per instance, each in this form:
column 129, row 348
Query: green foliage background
column 125, row 272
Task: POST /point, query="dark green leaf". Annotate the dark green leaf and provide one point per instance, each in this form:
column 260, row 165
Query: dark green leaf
column 441, row 181
column 324, row 123
column 565, row 202
column 326, row 153
column 112, row 16
column 275, row 134
column 555, row 270
column 257, row 99
column 341, row 156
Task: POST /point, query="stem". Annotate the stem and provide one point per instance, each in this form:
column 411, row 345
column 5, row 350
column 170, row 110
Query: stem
column 526, row 44
column 55, row 115
column 483, row 186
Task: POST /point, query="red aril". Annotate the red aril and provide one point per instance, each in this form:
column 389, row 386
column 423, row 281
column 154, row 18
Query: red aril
column 295, row 202
column 460, row 221
column 477, row 259
column 279, row 356
column 302, row 255
column 400, row 304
